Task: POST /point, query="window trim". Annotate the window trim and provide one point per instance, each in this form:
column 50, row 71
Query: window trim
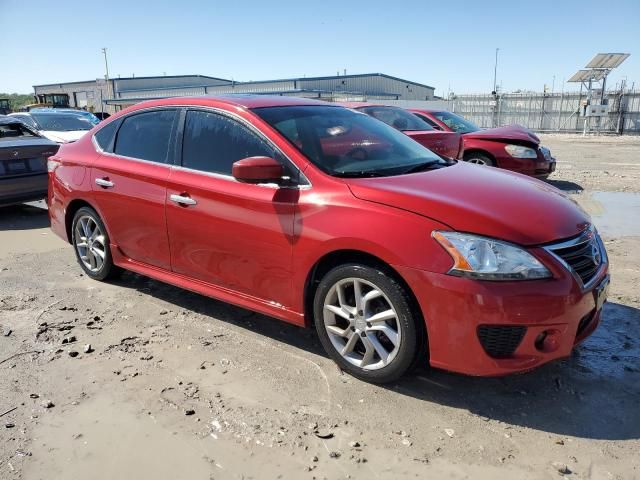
column 178, row 135
column 172, row 137
column 302, row 183
column 109, row 148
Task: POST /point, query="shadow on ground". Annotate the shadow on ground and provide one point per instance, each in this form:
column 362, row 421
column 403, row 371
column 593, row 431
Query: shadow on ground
column 566, row 186
column 592, row 394
column 24, row 217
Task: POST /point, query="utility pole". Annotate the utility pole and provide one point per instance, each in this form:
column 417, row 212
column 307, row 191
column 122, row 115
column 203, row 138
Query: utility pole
column 495, row 72
column 496, row 97
column 106, row 77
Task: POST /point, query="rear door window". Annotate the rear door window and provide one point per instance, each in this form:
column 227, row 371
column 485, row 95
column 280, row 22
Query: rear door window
column 105, row 136
column 213, row 142
column 146, row 136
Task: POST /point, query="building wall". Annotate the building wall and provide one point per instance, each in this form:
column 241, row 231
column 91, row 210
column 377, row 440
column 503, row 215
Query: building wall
column 81, row 94
column 370, row 84
column 254, row 87
column 146, row 83
column 90, row 94
column 160, row 93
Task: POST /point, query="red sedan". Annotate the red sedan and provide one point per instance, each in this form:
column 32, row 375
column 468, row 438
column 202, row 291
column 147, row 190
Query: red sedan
column 513, row 148
column 327, row 218
column 445, row 143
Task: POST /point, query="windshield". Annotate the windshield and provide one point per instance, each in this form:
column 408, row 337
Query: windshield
column 346, row 143
column 88, row 116
column 397, row 118
column 456, row 122
column 61, row 122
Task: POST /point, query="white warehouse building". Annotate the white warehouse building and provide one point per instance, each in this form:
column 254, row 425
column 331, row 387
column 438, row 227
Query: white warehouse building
column 100, row 95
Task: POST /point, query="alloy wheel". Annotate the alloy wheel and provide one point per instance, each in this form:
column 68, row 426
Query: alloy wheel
column 362, row 323
column 89, row 240
column 477, row 161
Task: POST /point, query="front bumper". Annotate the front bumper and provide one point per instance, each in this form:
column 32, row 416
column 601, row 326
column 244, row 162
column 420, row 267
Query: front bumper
column 540, row 167
column 456, row 308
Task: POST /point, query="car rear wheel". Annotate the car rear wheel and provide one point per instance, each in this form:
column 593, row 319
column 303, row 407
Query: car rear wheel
column 479, row 159
column 365, row 323
column 91, row 244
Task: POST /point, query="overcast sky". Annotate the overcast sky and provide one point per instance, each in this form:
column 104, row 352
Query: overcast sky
column 448, row 45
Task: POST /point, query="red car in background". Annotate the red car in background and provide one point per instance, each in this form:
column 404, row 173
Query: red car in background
column 393, row 254
column 513, row 148
column 445, row 143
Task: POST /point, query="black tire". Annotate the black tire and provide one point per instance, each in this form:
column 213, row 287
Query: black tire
column 479, row 158
column 107, row 268
column 405, row 321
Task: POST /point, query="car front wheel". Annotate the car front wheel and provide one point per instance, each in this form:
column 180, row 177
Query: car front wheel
column 479, row 159
column 365, row 323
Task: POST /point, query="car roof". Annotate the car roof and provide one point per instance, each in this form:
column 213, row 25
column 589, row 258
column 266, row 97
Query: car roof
column 238, row 100
column 427, row 110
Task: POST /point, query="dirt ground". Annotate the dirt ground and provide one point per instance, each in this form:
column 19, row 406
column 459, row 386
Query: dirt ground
column 179, row 386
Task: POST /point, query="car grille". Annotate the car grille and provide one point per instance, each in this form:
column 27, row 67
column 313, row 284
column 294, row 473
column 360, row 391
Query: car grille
column 583, row 255
column 500, row 341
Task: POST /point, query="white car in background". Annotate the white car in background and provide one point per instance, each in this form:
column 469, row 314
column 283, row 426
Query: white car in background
column 56, row 126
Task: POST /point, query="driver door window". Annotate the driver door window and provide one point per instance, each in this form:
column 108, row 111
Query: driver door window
column 213, row 142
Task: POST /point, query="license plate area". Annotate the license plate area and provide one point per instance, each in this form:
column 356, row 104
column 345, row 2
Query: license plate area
column 601, row 292
column 17, row 166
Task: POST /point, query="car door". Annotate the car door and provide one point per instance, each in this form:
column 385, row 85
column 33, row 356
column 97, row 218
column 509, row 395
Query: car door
column 231, row 234
column 129, row 181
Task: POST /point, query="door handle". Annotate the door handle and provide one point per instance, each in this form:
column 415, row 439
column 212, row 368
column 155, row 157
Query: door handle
column 104, row 182
column 182, row 200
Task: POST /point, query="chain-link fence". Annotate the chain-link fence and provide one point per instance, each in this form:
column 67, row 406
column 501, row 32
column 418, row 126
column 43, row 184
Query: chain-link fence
column 551, row 112
column 542, row 112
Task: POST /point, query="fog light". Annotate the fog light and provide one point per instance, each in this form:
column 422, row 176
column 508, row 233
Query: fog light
column 539, row 343
column 548, row 341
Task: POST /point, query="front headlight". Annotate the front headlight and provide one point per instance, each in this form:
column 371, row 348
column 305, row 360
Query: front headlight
column 518, row 151
column 488, row 259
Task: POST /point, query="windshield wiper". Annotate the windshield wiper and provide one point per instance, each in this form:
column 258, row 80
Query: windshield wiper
column 424, row 166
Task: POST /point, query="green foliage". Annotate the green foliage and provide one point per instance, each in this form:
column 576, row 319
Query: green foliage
column 18, row 100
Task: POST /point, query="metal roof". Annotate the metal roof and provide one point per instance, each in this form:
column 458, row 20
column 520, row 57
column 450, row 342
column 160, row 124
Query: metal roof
column 608, row 60
column 238, row 99
column 333, row 77
column 133, row 78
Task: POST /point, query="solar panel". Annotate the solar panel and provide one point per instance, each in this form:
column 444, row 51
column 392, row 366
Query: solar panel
column 586, row 75
column 607, row 60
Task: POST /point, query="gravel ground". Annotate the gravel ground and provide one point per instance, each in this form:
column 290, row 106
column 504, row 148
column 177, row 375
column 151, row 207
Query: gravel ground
column 138, row 379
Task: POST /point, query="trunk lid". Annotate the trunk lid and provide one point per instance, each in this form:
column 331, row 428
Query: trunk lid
column 446, row 144
column 25, row 156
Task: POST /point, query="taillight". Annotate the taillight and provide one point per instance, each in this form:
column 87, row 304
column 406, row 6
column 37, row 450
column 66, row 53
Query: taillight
column 52, row 164
column 461, row 149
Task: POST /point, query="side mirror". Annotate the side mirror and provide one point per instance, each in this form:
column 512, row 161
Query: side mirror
column 437, row 127
column 258, row 170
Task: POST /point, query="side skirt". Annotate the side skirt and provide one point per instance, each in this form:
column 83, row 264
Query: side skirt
column 207, row 289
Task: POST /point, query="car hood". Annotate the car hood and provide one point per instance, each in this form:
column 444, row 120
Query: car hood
column 481, row 200
column 512, row 132
column 63, row 137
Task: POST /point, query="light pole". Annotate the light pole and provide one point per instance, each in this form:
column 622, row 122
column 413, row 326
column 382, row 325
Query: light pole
column 495, row 72
column 106, row 68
